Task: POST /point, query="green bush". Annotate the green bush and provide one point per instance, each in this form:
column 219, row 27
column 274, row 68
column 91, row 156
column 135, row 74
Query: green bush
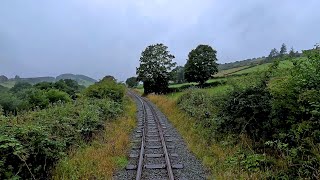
column 34, row 98
column 19, row 86
column 32, row 143
column 247, row 112
column 57, row 96
column 106, row 88
column 280, row 113
column 10, row 103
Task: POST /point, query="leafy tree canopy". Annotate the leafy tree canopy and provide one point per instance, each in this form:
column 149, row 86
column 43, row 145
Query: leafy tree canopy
column 177, row 75
column 201, row 64
column 20, row 86
column 283, row 49
column 155, row 67
column 132, row 82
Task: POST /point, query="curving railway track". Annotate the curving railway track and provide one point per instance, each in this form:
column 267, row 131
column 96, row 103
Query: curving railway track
column 152, row 157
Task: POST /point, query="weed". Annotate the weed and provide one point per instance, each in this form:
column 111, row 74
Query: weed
column 105, row 155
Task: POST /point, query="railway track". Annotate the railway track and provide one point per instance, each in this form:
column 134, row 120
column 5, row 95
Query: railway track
column 153, row 158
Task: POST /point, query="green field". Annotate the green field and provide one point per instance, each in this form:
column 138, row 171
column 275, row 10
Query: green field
column 248, row 69
column 248, row 79
column 263, row 67
column 229, row 71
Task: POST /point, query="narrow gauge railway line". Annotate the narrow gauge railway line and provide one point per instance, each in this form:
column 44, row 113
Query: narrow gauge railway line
column 152, row 157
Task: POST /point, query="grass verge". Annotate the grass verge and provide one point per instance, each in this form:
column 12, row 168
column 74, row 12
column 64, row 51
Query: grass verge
column 105, row 154
column 214, row 155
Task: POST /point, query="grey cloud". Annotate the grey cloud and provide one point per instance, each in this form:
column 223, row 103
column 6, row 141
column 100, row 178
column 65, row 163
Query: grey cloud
column 99, row 37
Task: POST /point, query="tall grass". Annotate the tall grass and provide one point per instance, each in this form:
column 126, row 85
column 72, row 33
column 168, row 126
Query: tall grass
column 213, row 155
column 105, row 154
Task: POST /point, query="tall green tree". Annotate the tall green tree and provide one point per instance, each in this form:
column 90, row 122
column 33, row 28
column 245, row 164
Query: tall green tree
column 132, row 82
column 274, row 53
column 155, row 67
column 283, row 49
column 201, row 64
column 292, row 53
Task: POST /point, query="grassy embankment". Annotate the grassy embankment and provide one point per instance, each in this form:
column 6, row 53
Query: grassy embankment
column 214, row 155
column 229, row 158
column 106, row 154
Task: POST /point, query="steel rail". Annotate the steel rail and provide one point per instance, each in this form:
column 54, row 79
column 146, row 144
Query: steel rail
column 163, row 142
column 161, row 134
column 140, row 164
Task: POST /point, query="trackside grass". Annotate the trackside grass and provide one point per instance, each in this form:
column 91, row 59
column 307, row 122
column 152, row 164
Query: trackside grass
column 213, row 155
column 105, row 154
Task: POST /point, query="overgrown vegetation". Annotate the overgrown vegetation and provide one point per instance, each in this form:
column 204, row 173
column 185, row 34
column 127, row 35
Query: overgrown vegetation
column 201, row 64
column 132, row 82
column 23, row 96
column 40, row 124
column 155, row 67
column 268, row 122
column 105, row 154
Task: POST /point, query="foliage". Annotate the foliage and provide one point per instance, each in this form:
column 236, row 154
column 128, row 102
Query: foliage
column 19, row 86
column 32, row 142
column 247, row 112
column 81, row 79
column 54, row 95
column 10, row 103
column 215, row 155
column 23, row 96
column 283, row 50
column 279, row 114
column 155, row 67
column 106, row 154
column 132, row 82
column 106, row 88
column 3, row 89
column 201, row 64
column 177, row 75
column 34, row 98
column 274, row 53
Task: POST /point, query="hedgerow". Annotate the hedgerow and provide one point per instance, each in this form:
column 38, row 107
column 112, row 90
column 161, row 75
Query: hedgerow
column 279, row 114
column 33, row 141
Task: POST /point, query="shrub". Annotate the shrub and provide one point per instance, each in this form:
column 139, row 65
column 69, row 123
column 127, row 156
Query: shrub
column 19, row 86
column 10, row 103
column 280, row 113
column 106, row 88
column 31, row 144
column 57, row 96
column 247, row 112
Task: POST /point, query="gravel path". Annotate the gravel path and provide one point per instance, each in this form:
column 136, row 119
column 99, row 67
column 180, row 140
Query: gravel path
column 179, row 153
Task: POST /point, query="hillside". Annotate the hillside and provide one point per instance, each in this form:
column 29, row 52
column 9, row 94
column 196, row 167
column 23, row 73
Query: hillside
column 237, row 64
column 81, row 79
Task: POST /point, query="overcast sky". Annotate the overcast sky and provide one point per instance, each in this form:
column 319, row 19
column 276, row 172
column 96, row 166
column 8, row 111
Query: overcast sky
column 100, row 37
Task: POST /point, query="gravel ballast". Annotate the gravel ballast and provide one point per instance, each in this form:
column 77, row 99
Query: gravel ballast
column 177, row 149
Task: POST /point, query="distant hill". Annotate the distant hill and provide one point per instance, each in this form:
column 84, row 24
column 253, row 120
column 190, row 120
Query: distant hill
column 81, row 79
